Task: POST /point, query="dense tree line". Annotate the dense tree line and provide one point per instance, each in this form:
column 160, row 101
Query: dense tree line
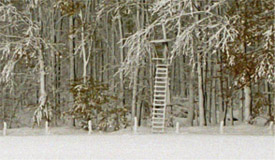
column 79, row 60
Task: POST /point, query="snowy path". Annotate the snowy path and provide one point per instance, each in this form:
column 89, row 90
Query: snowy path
column 138, row 147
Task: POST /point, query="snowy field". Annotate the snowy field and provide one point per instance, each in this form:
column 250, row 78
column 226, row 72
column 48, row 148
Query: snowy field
column 191, row 143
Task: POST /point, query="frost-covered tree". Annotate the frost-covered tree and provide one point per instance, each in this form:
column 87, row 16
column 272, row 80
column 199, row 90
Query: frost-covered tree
column 251, row 54
column 22, row 42
column 216, row 50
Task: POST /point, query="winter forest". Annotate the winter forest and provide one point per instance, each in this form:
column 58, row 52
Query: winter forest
column 143, row 66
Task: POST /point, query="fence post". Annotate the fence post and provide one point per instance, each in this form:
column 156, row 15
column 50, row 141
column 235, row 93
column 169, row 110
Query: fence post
column 5, row 129
column 47, row 127
column 271, row 128
column 177, row 127
column 221, row 127
column 135, row 125
column 90, row 127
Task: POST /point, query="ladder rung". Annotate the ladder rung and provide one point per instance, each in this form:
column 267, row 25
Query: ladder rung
column 160, row 82
column 159, row 95
column 158, row 127
column 159, row 104
column 161, row 111
column 162, row 65
column 158, row 123
column 160, row 100
column 158, row 118
column 161, row 73
column 159, row 91
column 163, row 70
column 161, row 78
column 158, row 114
column 161, row 118
column 157, row 109
column 160, row 86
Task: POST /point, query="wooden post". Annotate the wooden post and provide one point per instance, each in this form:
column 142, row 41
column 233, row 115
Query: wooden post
column 90, row 127
column 135, row 125
column 47, row 127
column 271, row 128
column 177, row 127
column 221, row 127
column 5, row 129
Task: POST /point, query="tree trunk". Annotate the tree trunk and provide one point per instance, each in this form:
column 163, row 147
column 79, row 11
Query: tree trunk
column 208, row 88
column 213, row 100
column 72, row 61
column 241, row 108
column 190, row 115
column 121, row 97
column 247, row 103
column 200, row 89
column 43, row 92
column 221, row 99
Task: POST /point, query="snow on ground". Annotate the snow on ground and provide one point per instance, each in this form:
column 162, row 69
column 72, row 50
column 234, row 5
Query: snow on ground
column 191, row 143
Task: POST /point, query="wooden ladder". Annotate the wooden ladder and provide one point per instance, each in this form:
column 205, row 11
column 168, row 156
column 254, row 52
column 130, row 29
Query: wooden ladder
column 160, row 98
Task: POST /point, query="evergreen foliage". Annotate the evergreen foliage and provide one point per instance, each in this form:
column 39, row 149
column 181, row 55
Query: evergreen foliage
column 92, row 101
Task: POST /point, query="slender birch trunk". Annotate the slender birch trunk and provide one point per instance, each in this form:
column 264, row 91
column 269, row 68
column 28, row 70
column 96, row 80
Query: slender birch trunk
column 121, row 58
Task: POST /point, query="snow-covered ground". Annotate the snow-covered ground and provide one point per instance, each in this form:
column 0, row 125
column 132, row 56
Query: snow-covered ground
column 191, row 143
